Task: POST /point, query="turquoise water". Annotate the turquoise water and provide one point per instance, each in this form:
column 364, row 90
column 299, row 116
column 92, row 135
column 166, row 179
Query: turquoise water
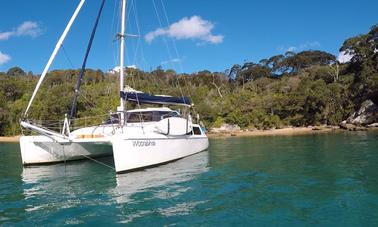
column 325, row 180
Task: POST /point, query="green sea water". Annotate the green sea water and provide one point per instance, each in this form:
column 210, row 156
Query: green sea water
column 322, row 180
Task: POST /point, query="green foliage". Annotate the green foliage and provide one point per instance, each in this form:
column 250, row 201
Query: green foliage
column 237, row 117
column 364, row 64
column 218, row 122
column 16, row 71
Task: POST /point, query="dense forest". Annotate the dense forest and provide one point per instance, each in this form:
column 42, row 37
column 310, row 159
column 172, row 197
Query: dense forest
column 298, row 89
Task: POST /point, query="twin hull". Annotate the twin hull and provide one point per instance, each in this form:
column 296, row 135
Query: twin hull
column 129, row 153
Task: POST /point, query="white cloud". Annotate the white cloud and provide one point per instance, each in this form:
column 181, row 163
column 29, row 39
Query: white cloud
column 344, row 57
column 4, row 58
column 28, row 28
column 300, row 47
column 188, row 28
column 5, row 35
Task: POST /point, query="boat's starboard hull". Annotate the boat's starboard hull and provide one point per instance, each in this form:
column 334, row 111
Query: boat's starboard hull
column 132, row 154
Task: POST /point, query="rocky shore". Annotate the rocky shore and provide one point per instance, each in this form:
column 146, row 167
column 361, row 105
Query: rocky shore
column 363, row 119
column 288, row 131
column 366, row 118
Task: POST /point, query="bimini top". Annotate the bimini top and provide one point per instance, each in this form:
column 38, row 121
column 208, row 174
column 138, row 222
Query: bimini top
column 140, row 97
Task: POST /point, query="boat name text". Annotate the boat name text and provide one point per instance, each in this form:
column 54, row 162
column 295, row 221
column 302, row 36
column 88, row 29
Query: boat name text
column 144, row 143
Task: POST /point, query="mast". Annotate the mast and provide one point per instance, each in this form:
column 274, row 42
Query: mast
column 83, row 66
column 121, row 57
column 52, row 57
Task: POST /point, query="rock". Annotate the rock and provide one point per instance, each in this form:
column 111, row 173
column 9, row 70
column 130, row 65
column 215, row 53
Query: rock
column 335, row 127
column 367, row 114
column 317, row 128
column 346, row 126
column 374, row 125
column 226, row 128
column 360, row 128
column 343, row 125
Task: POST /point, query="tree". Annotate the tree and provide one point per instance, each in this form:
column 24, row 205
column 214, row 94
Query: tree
column 16, row 71
column 234, row 71
column 251, row 71
column 275, row 63
column 306, row 59
column 364, row 64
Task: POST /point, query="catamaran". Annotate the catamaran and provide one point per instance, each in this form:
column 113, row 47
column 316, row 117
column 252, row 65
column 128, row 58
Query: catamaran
column 137, row 138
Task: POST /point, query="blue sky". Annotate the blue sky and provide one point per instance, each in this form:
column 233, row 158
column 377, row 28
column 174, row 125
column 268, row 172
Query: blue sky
column 207, row 34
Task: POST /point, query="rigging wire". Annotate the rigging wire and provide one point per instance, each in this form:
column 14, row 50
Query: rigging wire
column 161, row 27
column 114, row 27
column 128, row 10
column 68, row 58
column 94, row 160
column 115, row 45
column 138, row 43
column 166, row 44
column 139, row 107
column 139, row 33
column 93, row 104
column 177, row 54
column 82, row 71
column 133, row 46
column 173, row 41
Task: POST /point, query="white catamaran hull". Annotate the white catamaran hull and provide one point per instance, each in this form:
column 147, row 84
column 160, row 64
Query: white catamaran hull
column 134, row 146
column 131, row 154
column 42, row 149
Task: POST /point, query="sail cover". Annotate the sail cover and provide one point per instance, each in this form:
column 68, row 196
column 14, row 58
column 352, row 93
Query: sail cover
column 140, row 97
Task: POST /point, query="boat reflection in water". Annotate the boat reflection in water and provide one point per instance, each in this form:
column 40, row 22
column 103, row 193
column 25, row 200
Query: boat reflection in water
column 161, row 179
column 65, row 185
column 72, row 184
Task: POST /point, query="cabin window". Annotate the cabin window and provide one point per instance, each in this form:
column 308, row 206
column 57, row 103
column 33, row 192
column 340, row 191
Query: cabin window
column 197, row 131
column 160, row 115
column 148, row 116
column 137, row 117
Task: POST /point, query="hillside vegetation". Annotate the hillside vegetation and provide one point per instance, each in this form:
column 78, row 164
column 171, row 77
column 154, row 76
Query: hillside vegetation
column 298, row 89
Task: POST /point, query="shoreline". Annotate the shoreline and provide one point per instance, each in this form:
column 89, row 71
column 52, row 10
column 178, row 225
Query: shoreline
column 290, row 131
column 9, row 139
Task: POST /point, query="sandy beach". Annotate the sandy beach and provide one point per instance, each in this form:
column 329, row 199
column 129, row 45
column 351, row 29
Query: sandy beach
column 291, row 131
column 9, row 139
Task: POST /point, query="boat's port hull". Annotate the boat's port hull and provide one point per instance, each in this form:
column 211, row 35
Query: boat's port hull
column 133, row 154
column 44, row 150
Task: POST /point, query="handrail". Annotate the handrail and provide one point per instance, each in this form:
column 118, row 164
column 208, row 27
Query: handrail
column 43, row 131
column 57, row 125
